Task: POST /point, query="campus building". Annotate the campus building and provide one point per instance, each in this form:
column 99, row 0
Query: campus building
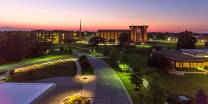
column 111, row 34
column 137, row 34
column 188, row 58
column 56, row 37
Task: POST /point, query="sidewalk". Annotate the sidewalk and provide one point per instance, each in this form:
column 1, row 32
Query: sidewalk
column 89, row 82
column 108, row 88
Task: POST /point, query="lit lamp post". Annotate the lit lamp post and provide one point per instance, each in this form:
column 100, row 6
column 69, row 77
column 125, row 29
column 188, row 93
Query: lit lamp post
column 84, row 78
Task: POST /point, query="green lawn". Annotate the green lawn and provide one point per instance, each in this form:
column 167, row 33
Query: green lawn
column 172, row 44
column 139, row 60
column 169, row 44
column 181, row 85
column 27, row 62
column 185, row 85
column 62, row 69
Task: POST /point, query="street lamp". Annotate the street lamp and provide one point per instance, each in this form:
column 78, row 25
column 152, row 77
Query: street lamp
column 84, row 78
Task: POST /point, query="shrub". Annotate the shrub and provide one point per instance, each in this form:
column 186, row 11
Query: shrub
column 156, row 91
column 158, row 60
column 76, row 100
column 136, row 78
column 85, row 65
column 113, row 55
column 106, row 52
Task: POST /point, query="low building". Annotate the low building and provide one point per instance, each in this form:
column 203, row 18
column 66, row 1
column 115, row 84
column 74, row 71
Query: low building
column 112, row 34
column 56, row 37
column 137, row 34
column 202, row 38
column 188, row 58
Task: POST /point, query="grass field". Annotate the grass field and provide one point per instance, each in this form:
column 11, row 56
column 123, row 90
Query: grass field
column 62, row 69
column 179, row 85
column 27, row 62
column 168, row 44
column 140, row 61
column 185, row 85
column 171, row 44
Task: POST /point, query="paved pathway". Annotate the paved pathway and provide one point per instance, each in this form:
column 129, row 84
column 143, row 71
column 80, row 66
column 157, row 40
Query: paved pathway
column 65, row 87
column 68, row 86
column 109, row 88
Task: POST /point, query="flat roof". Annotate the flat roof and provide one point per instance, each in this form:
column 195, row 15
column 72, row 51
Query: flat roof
column 179, row 56
column 114, row 30
column 195, row 52
column 23, row 93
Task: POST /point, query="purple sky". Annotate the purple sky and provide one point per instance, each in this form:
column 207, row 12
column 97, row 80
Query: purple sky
column 160, row 15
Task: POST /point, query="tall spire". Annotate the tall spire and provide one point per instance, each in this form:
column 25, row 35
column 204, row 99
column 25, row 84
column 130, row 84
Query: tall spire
column 80, row 28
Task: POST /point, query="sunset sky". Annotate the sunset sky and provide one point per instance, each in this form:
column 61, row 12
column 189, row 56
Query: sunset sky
column 160, row 15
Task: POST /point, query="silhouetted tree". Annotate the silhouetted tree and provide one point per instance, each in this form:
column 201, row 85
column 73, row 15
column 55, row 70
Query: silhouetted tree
column 206, row 44
column 124, row 58
column 156, row 91
column 15, row 46
column 40, row 48
column 186, row 40
column 95, row 40
column 158, row 60
column 85, row 65
column 123, row 39
column 113, row 54
column 136, row 78
column 106, row 51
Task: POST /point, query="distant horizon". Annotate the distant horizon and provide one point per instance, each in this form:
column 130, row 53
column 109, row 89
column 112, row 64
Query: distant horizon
column 19, row 29
column 94, row 29
column 160, row 15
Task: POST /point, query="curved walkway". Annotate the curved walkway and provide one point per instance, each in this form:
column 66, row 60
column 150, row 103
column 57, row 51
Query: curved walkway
column 109, row 88
column 65, row 87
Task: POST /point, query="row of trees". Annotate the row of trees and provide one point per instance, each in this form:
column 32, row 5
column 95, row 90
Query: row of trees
column 19, row 45
column 123, row 40
column 154, row 93
column 186, row 40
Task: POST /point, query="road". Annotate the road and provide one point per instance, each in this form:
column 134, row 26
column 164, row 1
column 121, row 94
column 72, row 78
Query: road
column 109, row 88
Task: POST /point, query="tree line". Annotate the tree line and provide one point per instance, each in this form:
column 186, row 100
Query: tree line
column 16, row 46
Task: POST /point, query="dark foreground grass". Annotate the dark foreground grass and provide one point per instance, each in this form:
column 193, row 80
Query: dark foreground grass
column 188, row 84
column 62, row 69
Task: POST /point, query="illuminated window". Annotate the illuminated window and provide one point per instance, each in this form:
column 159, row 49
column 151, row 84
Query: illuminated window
column 177, row 64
